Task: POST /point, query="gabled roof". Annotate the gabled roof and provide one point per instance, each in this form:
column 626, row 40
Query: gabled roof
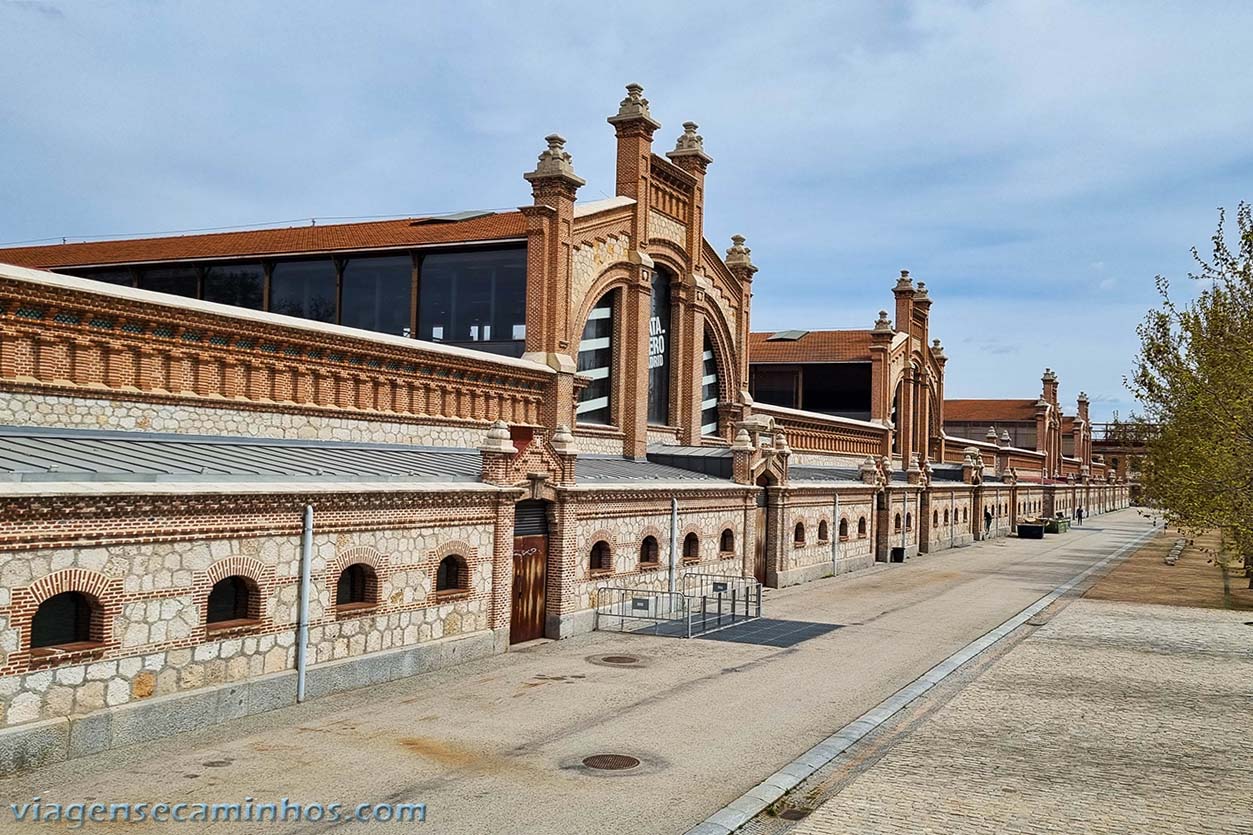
column 989, row 411
column 293, row 240
column 813, row 346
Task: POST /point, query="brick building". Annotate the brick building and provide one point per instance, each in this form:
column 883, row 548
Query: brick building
column 456, row 433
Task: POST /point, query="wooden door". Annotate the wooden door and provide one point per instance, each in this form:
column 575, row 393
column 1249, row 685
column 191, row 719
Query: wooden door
column 530, row 556
column 759, row 552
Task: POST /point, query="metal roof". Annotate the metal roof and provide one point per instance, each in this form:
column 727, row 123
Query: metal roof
column 824, row 474
column 707, row 460
column 606, row 469
column 29, row 454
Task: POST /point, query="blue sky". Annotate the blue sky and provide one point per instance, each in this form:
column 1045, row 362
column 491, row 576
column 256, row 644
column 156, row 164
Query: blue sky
column 1036, row 163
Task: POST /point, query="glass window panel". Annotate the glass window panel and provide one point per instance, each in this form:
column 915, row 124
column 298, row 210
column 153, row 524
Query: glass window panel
column 475, row 299
column 177, row 281
column 595, row 360
column 304, row 288
column 377, row 294
column 241, row 285
column 122, row 276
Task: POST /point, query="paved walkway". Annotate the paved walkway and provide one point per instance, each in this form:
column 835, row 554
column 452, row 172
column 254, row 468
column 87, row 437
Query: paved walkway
column 497, row 745
column 1112, row 718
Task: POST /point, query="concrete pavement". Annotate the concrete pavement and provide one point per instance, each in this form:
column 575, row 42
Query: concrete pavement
column 497, row 745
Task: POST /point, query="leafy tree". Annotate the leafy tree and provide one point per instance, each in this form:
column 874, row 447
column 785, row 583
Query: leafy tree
column 1194, row 379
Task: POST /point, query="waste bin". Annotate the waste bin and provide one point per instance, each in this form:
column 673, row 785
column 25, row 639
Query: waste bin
column 1031, row 530
column 898, row 555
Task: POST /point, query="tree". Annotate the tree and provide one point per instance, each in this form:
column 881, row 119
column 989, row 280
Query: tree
column 1194, row 379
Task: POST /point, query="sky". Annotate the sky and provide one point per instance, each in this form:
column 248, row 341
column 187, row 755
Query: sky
column 1035, row 163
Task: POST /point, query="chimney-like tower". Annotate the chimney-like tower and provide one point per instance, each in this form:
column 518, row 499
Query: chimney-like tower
column 904, row 292
column 549, row 221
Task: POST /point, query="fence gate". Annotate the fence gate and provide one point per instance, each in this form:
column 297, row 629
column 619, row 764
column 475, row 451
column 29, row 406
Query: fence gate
column 707, row 602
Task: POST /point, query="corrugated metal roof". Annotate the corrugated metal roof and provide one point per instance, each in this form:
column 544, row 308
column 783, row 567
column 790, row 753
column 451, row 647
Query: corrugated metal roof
column 596, row 469
column 824, row 474
column 30, row 454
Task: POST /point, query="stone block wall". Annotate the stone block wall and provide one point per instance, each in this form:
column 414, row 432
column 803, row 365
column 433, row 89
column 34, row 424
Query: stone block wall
column 155, row 640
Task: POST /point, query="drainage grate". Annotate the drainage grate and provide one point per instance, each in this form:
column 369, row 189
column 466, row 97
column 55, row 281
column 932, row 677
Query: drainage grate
column 611, row 762
column 620, row 659
column 795, row 814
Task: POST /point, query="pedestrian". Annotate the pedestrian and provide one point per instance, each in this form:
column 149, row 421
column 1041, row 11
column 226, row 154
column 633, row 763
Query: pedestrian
column 987, row 520
column 1079, row 514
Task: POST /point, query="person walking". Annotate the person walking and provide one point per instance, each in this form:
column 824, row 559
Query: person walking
column 987, row 520
column 1079, row 514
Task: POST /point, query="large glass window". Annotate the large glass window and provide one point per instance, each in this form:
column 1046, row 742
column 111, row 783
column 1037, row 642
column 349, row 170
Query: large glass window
column 659, row 351
column 241, row 285
column 776, row 385
column 122, row 276
column 474, row 299
column 377, row 294
column 177, row 281
column 596, row 362
column 709, row 390
column 304, row 288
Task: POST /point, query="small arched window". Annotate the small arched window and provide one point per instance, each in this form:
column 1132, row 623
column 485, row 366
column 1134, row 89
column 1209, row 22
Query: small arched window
column 896, row 523
column 357, row 586
column 965, row 514
column 452, row 577
column 843, row 529
column 946, row 515
column 935, row 518
column 861, row 527
column 824, row 531
column 650, row 552
column 691, row 548
column 726, row 544
column 601, row 559
column 909, row 521
column 233, row 599
column 64, row 619
column 798, row 535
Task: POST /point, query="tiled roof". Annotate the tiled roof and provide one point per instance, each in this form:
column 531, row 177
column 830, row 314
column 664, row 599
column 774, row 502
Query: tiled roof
column 288, row 241
column 988, row 411
column 814, row 346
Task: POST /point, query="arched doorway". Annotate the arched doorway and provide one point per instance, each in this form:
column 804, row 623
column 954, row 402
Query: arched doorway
column 530, row 574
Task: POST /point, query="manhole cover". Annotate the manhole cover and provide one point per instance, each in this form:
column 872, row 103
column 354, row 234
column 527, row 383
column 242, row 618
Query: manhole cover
column 611, row 762
column 794, row 814
column 620, row 659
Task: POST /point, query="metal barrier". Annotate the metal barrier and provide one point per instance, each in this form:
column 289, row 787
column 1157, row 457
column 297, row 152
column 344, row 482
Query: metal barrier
column 707, row 602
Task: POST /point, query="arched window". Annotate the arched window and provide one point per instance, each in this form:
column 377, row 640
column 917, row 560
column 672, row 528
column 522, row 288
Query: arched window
column 965, row 514
column 691, row 548
column 357, row 586
column 824, row 532
column 232, row 599
column 726, row 544
column 946, row 515
column 935, row 518
column 452, row 576
column 896, row 523
column 909, row 521
column 64, row 619
column 709, row 389
column 601, row 559
column 798, row 535
column 596, row 362
column 861, row 527
column 843, row 530
column 650, row 552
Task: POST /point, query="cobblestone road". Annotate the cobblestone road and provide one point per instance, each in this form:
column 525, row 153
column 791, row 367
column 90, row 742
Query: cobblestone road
column 1112, row 718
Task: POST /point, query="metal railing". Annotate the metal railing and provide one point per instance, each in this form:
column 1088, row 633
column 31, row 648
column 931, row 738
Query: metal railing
column 706, row 602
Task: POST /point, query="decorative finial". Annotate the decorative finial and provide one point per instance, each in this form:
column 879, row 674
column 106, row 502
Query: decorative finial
column 690, row 146
column 1083, row 397
column 634, row 107
column 563, row 439
column 739, row 255
column 937, row 350
column 743, row 441
column 555, row 162
column 921, row 295
column 904, row 282
column 883, row 324
column 498, row 439
column 991, row 434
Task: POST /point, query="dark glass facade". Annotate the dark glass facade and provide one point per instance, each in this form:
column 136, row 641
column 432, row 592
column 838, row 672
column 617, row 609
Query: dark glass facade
column 475, row 298
column 709, row 390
